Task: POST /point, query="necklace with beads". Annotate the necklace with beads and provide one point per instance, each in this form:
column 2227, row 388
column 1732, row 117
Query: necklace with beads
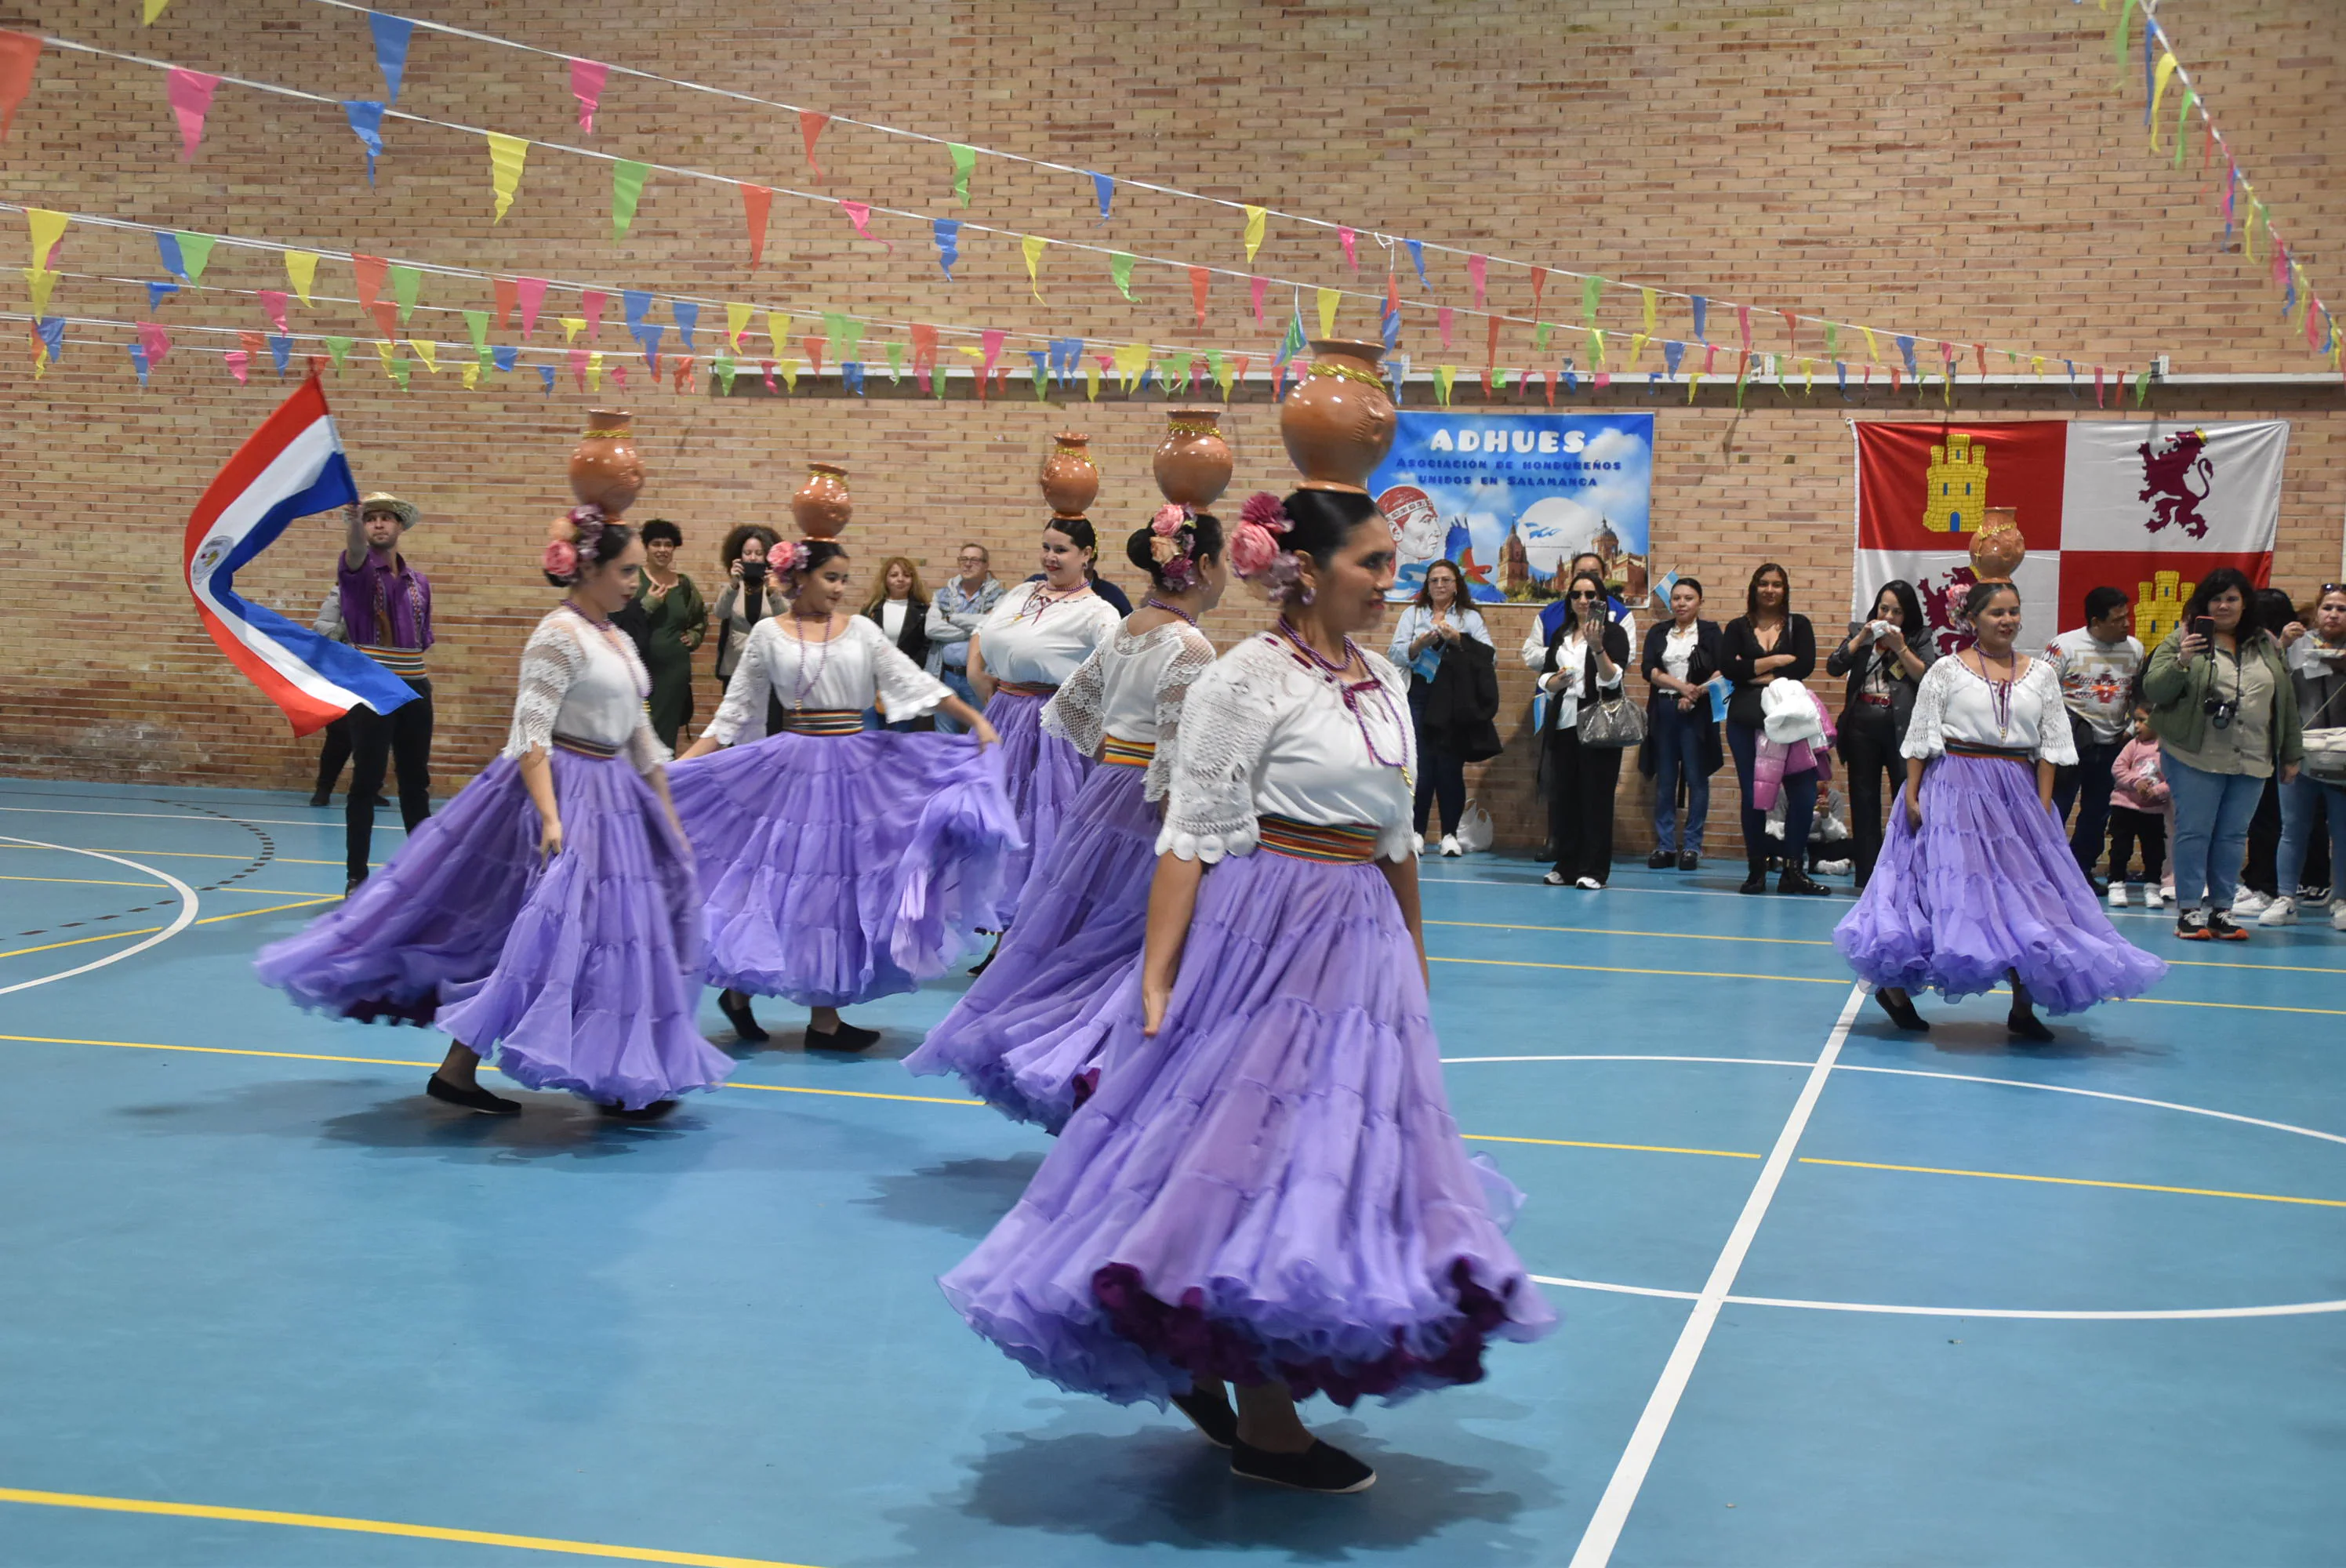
column 1154, row 603
column 1350, row 691
column 1042, row 599
column 1999, row 692
column 637, row 675
column 809, row 677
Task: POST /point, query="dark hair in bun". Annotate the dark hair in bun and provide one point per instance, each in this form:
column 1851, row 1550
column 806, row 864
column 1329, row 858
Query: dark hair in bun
column 598, row 545
column 1078, row 529
column 1321, row 520
column 1983, row 595
column 814, row 552
column 1197, row 538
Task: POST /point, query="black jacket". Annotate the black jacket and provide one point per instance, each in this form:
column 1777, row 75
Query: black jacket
column 1739, row 649
column 913, row 640
column 1661, row 703
column 1903, row 688
column 1461, row 703
column 1616, row 648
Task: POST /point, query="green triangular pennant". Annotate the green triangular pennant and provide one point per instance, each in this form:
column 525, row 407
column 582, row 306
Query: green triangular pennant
column 964, row 158
column 477, row 323
column 1119, row 268
column 339, row 348
column 627, row 178
column 195, row 254
column 895, row 364
column 406, row 287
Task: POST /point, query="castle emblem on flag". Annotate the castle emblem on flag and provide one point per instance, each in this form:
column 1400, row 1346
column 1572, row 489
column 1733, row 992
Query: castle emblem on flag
column 1956, row 485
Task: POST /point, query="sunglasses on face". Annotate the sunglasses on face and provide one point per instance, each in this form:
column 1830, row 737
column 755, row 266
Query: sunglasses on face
column 1591, row 597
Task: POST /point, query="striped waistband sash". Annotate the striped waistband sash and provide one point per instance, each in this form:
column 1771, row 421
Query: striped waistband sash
column 1130, row 753
column 2009, row 754
column 586, row 747
column 1345, row 844
column 405, row 663
column 824, row 721
column 1023, row 688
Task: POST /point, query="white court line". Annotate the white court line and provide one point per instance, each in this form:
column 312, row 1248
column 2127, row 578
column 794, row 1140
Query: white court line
column 187, row 905
column 1603, row 1531
column 333, row 822
column 2155, row 1314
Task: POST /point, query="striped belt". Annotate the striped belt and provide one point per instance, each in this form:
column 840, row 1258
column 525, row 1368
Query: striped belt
column 406, row 663
column 1130, row 753
column 824, row 721
column 586, row 747
column 1023, row 688
column 1345, row 844
column 2008, row 753
column 1868, row 698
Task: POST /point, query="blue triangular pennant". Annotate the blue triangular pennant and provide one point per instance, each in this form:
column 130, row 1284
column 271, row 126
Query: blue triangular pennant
column 647, row 338
column 1105, row 189
column 504, row 356
column 366, row 123
column 635, row 302
column 173, row 263
column 546, row 374
column 280, row 349
column 1701, row 318
column 138, row 362
column 1906, row 347
column 688, row 316
column 1672, row 354
column 390, row 37
column 948, row 230
column 1417, row 255
column 157, row 292
column 850, row 375
column 53, row 337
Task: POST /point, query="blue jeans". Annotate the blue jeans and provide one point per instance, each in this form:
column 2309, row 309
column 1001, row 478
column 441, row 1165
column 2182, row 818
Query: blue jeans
column 1799, row 793
column 2304, row 804
column 957, row 677
column 1676, row 740
column 2211, row 831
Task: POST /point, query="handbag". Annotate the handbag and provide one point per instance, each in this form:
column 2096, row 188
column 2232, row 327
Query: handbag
column 1612, row 723
column 2325, row 755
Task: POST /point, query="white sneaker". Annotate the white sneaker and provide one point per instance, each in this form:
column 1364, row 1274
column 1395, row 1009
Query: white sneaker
column 2160, row 897
column 1834, row 868
column 1419, row 840
column 1556, row 880
column 1450, row 845
column 2118, row 898
column 2283, row 911
column 2248, row 904
column 1590, row 884
column 2338, row 915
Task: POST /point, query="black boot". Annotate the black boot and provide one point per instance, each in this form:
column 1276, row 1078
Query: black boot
column 1757, row 882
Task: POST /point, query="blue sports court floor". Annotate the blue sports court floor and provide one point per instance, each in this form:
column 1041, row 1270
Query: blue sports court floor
column 1832, row 1296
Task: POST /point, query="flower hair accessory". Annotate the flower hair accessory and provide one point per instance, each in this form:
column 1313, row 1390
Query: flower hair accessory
column 1261, row 522
column 784, row 556
column 574, row 537
column 1174, row 539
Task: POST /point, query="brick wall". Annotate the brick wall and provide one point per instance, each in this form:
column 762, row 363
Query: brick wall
column 1973, row 176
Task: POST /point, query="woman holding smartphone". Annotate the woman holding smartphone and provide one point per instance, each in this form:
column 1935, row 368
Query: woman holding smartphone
column 1884, row 670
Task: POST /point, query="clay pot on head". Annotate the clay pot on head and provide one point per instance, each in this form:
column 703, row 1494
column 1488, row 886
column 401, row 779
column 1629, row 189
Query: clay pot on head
column 822, row 506
column 1069, row 479
column 1338, row 425
column 1998, row 548
column 604, row 471
column 1193, row 464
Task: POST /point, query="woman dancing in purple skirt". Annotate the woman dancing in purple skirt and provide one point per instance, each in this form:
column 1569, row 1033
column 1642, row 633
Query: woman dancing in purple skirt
column 838, row 864
column 1975, row 884
column 1026, row 1034
column 549, row 916
column 1267, row 1190
column 1032, row 642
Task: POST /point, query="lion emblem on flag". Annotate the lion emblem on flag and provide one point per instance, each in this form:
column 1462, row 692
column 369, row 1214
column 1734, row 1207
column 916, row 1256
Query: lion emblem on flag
column 2169, row 475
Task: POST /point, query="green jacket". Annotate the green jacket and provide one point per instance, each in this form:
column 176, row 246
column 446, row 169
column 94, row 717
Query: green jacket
column 2177, row 688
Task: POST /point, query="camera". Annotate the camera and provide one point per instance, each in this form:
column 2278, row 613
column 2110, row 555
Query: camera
column 753, row 572
column 2220, row 711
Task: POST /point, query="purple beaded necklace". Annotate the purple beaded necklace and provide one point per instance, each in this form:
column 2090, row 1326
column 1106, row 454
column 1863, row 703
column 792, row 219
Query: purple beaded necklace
column 802, row 685
column 1154, row 603
column 637, row 675
column 1332, row 672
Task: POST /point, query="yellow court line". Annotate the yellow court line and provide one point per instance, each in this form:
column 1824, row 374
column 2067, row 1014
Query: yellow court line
column 2081, row 1181
column 1842, row 980
column 1605, row 931
column 851, row 1094
column 102, row 882
column 2237, row 1006
column 1633, row 1148
column 193, row 855
column 382, row 1527
column 308, row 902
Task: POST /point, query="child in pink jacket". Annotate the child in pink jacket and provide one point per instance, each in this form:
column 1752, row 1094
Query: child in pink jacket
column 2141, row 812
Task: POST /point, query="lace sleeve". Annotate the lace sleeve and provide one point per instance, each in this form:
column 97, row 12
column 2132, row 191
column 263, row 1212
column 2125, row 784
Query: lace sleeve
column 1191, row 660
column 908, row 691
column 1927, row 730
column 1226, row 727
column 2056, row 740
column 745, row 692
column 551, row 663
column 1077, row 713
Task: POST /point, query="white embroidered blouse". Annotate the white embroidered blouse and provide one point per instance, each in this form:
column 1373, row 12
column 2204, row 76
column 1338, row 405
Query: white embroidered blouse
column 1043, row 646
column 1265, row 734
column 1956, row 704
column 583, row 679
column 1132, row 687
column 855, row 665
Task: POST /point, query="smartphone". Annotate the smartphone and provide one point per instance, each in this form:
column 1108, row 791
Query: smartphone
column 2203, row 628
column 1855, row 627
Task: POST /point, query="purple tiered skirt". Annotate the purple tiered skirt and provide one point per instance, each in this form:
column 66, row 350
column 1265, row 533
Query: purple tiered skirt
column 1026, row 1037
column 1272, row 1187
column 839, row 868
column 577, row 973
column 1043, row 774
column 1987, row 885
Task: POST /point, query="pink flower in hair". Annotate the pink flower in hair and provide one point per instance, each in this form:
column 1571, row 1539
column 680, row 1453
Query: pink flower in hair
column 1256, row 544
column 560, row 560
column 1169, row 519
column 783, row 558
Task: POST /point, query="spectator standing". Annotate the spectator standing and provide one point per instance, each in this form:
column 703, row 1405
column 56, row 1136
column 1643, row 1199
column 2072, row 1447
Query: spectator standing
column 2141, row 813
column 1884, row 670
column 1428, row 633
column 1681, row 657
column 2259, row 880
column 1766, row 644
column 675, row 622
column 1583, row 663
column 901, row 606
column 2317, row 665
column 958, row 608
column 2097, row 663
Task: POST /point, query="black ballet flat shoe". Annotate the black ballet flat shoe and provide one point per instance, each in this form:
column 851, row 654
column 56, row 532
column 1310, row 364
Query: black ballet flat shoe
column 322, row 797
column 351, row 884
column 1659, row 861
column 651, row 1112
column 2027, row 1026
column 473, row 1099
column 1319, row 1468
column 846, row 1037
column 1688, row 859
column 982, row 964
column 1903, row 1014
column 745, row 1024
column 1757, row 882
column 1211, row 1417
column 1800, row 881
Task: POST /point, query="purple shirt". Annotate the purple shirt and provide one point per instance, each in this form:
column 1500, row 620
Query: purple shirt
column 385, row 606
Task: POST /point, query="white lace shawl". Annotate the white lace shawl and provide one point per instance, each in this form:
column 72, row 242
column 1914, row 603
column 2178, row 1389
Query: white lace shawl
column 582, row 681
column 1952, row 690
column 1079, row 711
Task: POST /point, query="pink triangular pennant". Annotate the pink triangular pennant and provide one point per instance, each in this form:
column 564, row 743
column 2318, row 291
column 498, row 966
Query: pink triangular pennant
column 859, row 213
column 191, row 100
column 273, row 300
column 531, row 293
column 590, row 303
column 1443, row 316
column 1348, row 238
column 1478, row 273
column 1255, row 287
column 578, row 367
column 155, row 341
column 239, row 363
column 586, row 85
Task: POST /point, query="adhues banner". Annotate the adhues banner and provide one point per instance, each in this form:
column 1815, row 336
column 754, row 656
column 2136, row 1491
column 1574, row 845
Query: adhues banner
column 1512, row 498
column 2148, row 508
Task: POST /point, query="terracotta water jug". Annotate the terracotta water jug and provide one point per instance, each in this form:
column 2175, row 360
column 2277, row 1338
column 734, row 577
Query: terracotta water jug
column 605, row 470
column 1998, row 548
column 822, row 506
column 1338, row 423
column 1069, row 479
column 1193, row 464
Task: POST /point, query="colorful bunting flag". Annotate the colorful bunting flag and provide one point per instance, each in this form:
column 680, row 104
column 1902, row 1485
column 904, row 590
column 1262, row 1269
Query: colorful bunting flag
column 41, row 284
column 506, row 155
column 157, row 293
column 1743, row 324
column 1442, row 319
column 737, row 321
column 301, row 272
column 390, row 40
column 530, row 293
column 476, row 326
column 156, row 340
column 687, row 316
column 586, row 78
column 338, row 350
column 1592, row 289
column 1444, row 378
column 757, row 201
column 1327, row 299
column 280, row 352
column 365, row 117
column 195, row 254
column 948, row 233
column 627, row 178
column 546, row 374
column 859, row 213
column 1104, row 192
column 1031, row 247
column 138, row 362
column 406, row 287
column 504, row 356
column 1417, row 248
column 1119, row 272
column 48, row 231
column 1255, row 218
column 1701, row 307
column 1348, row 238
column 274, row 301
column 1255, row 287
column 810, row 124
column 386, row 319
column 238, row 363
column 1478, row 269
column 19, row 52
column 191, row 100
column 1198, row 280
column 964, row 159
column 428, row 352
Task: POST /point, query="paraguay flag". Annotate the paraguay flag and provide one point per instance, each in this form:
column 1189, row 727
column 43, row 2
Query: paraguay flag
column 290, row 467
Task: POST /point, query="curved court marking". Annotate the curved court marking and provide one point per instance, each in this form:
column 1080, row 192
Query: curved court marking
column 186, row 917
column 380, row 1527
column 2288, row 1309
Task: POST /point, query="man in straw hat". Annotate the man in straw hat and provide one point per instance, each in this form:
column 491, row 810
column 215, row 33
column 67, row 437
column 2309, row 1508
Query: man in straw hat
column 387, row 611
